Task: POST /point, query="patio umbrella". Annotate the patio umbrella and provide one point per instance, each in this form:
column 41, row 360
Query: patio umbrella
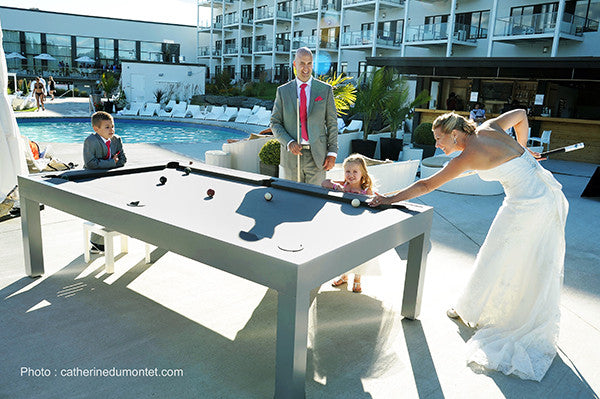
column 12, row 155
column 14, row 55
column 44, row 56
column 85, row 59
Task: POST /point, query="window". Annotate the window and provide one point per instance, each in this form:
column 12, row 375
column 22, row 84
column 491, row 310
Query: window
column 247, row 15
column 344, row 67
column 106, row 49
column 85, row 47
column 59, row 46
column 472, row 25
column 246, row 72
column 362, row 67
column 435, row 27
column 390, row 32
column 536, row 18
column 151, row 51
column 587, row 13
column 127, row 50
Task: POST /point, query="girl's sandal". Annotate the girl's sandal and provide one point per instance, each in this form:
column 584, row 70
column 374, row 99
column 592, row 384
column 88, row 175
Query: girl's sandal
column 339, row 281
column 356, row 287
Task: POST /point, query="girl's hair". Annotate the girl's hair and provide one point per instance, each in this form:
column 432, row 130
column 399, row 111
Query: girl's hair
column 365, row 183
column 451, row 121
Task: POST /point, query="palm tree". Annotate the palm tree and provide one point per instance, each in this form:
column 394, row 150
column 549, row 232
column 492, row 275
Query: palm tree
column 396, row 107
column 371, row 92
column 344, row 92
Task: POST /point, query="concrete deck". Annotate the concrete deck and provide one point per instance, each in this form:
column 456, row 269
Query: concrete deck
column 220, row 330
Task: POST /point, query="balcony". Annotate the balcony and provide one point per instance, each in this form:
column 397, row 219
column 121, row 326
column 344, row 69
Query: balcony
column 266, row 15
column 541, row 27
column 206, row 52
column 263, row 47
column 207, row 3
column 369, row 5
column 246, row 51
column 310, row 9
column 437, row 34
column 329, row 44
column 305, row 41
column 364, row 39
column 231, row 50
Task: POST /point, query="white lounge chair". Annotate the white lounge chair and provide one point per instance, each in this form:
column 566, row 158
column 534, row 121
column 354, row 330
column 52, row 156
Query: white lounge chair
column 229, row 114
column 255, row 109
column 204, row 110
column 168, row 109
column 243, row 115
column 150, row 109
column 179, row 110
column 258, row 118
column 134, row 109
column 192, row 111
column 215, row 113
column 354, row 126
column 341, row 124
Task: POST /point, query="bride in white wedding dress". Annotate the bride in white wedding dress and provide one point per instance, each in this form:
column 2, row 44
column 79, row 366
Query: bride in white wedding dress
column 512, row 297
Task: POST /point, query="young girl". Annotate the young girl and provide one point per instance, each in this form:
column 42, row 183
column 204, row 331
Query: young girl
column 358, row 181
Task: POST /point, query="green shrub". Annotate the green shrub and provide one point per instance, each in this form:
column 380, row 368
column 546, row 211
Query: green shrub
column 269, row 153
column 423, row 134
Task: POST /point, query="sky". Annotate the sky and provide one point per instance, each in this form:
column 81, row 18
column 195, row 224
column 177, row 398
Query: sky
column 172, row 11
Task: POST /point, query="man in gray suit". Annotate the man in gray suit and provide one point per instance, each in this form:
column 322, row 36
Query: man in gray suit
column 317, row 146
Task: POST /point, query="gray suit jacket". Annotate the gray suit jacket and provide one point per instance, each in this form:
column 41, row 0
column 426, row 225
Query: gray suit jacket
column 95, row 151
column 321, row 121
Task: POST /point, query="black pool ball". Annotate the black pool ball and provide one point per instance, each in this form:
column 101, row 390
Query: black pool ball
column 162, row 180
column 187, row 171
column 210, row 192
column 191, row 162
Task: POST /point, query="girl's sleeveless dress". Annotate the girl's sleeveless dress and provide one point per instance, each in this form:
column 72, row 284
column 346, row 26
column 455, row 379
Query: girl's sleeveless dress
column 513, row 294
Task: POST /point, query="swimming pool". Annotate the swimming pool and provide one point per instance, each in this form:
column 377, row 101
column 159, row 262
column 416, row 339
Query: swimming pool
column 75, row 130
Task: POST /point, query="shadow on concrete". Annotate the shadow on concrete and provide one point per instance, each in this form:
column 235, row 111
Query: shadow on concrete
column 69, row 324
column 425, row 375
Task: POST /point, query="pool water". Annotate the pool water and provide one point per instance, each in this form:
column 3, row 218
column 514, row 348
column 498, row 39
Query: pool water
column 75, row 130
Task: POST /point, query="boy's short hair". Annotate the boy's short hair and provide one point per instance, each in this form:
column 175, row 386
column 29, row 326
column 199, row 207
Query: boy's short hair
column 100, row 116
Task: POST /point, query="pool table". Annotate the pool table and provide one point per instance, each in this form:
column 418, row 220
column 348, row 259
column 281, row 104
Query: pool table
column 294, row 242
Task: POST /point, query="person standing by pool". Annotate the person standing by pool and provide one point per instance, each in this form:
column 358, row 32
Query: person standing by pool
column 102, row 150
column 513, row 295
column 51, row 86
column 318, row 144
column 39, row 91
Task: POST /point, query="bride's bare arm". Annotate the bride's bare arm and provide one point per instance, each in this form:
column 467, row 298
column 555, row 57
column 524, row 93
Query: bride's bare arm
column 517, row 118
column 453, row 169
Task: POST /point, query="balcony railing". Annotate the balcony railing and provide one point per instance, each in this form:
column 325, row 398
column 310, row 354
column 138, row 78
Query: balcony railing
column 518, row 25
column 284, row 14
column 263, row 46
column 304, row 41
column 231, row 49
column 246, row 50
column 206, row 50
column 264, row 13
column 307, row 6
column 331, row 44
column 427, row 32
column 354, row 2
column 365, row 38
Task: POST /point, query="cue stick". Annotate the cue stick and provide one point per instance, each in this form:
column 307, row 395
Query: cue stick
column 298, row 135
column 568, row 148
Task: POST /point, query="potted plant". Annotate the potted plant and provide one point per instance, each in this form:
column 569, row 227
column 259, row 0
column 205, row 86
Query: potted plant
column 371, row 91
column 120, row 100
column 158, row 95
column 423, row 139
column 269, row 158
column 109, row 84
column 397, row 109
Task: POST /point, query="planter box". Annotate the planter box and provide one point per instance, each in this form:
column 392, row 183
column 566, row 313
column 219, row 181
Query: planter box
column 269, row 170
column 364, row 147
column 390, row 148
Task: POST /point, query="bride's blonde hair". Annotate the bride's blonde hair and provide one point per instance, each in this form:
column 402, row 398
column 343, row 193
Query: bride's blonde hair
column 452, row 121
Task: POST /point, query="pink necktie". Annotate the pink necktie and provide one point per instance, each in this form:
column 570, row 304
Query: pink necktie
column 108, row 147
column 303, row 111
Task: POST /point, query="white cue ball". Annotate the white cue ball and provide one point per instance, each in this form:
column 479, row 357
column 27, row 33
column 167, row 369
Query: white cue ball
column 268, row 196
column 355, row 202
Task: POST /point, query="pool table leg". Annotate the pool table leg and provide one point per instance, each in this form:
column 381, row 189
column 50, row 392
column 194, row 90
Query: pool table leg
column 415, row 276
column 292, row 336
column 31, row 229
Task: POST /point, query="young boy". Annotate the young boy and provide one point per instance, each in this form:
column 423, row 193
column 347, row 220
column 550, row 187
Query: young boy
column 102, row 150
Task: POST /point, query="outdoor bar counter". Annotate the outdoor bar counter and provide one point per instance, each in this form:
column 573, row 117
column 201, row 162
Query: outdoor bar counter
column 565, row 131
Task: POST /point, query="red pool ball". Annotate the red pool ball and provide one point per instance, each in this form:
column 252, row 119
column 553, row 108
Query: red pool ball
column 210, row 192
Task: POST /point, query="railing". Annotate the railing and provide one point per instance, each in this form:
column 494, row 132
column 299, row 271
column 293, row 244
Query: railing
column 331, row 44
column 422, row 33
column 365, row 38
column 263, row 46
column 308, row 6
column 206, row 51
column 246, row 50
column 518, row 25
column 264, row 13
column 304, row 41
column 357, row 38
column 57, row 71
column 284, row 14
column 354, row 2
column 231, row 49
column 231, row 19
column 386, row 38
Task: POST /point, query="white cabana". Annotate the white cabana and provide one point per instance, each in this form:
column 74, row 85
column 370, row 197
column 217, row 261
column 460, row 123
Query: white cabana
column 12, row 154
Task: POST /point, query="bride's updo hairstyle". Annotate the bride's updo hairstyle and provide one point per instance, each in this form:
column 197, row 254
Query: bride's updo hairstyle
column 451, row 121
